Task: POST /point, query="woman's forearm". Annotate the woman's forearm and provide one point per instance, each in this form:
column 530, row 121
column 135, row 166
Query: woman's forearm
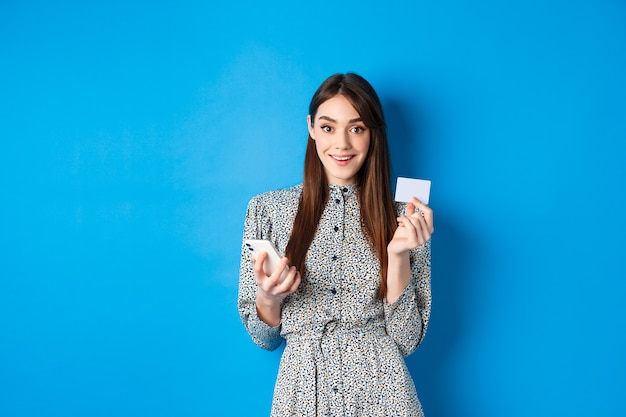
column 268, row 310
column 398, row 275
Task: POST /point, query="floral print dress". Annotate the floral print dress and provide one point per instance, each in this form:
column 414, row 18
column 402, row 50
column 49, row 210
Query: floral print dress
column 345, row 348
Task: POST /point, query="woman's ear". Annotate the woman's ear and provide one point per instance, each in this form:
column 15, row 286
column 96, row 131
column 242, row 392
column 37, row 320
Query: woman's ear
column 309, row 124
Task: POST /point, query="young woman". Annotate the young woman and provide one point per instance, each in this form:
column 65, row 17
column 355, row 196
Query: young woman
column 356, row 298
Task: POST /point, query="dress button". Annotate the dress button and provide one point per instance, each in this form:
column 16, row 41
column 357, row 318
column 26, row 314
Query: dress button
column 334, row 291
column 337, row 201
column 334, row 258
column 345, row 190
column 336, row 228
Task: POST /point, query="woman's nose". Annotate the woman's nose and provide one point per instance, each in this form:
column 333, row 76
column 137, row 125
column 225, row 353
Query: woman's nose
column 343, row 140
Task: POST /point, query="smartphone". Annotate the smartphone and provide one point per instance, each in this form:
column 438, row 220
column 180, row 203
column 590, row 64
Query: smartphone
column 256, row 246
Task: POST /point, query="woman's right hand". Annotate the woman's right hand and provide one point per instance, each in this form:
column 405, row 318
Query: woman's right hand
column 273, row 288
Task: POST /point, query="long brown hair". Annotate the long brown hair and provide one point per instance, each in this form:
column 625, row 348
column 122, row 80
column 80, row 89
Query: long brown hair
column 378, row 219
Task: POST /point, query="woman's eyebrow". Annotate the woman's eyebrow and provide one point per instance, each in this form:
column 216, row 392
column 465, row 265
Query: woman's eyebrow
column 358, row 119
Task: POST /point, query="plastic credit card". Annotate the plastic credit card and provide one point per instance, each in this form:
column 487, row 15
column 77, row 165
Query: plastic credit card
column 410, row 187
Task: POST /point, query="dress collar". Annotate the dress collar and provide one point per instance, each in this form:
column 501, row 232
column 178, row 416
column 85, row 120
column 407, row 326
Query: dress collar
column 349, row 189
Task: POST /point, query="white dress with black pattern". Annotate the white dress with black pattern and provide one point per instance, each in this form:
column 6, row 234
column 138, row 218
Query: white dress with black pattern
column 345, row 348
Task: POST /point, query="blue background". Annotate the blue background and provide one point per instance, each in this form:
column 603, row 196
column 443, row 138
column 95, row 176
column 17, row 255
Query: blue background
column 133, row 136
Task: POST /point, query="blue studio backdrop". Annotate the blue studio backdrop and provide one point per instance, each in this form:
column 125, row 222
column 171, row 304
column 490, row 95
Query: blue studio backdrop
column 133, row 134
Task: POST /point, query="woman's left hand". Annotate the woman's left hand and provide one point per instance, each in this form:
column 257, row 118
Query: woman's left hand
column 414, row 228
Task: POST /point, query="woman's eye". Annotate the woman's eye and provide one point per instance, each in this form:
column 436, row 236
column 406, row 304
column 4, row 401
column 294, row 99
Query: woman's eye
column 326, row 128
column 357, row 129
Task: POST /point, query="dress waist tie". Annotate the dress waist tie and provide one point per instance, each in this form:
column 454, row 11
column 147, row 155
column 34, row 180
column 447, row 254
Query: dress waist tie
column 326, row 343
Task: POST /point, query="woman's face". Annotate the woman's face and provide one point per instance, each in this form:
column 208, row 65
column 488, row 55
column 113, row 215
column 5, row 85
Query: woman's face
column 341, row 139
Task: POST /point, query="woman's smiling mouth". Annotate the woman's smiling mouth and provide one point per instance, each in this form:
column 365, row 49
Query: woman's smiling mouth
column 342, row 158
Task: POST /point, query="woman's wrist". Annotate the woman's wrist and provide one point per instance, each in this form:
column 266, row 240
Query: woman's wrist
column 268, row 309
column 397, row 256
column 266, row 301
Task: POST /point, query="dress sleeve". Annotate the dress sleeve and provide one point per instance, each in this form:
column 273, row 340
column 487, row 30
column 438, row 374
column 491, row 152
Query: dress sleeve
column 407, row 317
column 257, row 225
